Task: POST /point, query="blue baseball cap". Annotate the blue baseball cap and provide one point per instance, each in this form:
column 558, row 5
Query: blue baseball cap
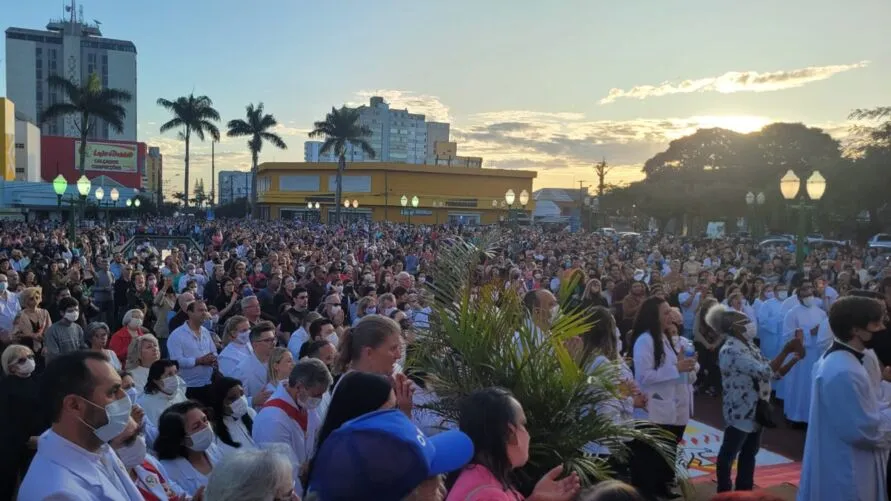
column 383, row 456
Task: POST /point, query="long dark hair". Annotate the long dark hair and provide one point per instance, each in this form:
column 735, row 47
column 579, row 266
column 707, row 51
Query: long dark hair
column 648, row 320
column 172, row 434
column 219, row 392
column 155, row 372
column 600, row 339
column 358, row 393
column 486, row 416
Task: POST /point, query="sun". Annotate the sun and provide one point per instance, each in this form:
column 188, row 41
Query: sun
column 738, row 123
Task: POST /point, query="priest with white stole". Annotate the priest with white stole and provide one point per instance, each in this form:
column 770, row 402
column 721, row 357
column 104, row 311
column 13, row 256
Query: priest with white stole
column 803, row 321
column 849, row 437
column 291, row 415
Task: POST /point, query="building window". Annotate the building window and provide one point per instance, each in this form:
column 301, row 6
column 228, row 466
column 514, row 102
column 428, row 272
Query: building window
column 351, row 184
column 303, row 183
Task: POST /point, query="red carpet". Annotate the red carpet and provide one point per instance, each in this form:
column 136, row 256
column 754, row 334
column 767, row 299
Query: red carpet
column 765, row 476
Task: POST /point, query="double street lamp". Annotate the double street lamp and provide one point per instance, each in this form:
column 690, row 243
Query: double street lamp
column 754, row 201
column 790, row 187
column 354, row 204
column 415, row 201
column 113, row 195
column 510, row 197
column 313, row 206
column 60, row 186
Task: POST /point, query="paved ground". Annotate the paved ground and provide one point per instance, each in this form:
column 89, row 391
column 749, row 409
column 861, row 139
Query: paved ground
column 780, row 480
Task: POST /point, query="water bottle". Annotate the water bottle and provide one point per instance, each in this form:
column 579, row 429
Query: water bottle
column 689, row 352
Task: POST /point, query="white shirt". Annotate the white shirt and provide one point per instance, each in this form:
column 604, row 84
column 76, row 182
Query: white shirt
column 200, row 281
column 181, row 471
column 231, row 356
column 9, row 308
column 666, row 391
column 239, row 433
column 64, row 471
column 274, row 426
column 252, row 374
column 140, row 377
column 797, row 390
column 154, row 404
column 298, row 337
column 185, row 347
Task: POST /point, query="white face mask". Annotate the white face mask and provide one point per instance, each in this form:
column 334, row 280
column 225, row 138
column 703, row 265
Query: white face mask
column 782, row 295
column 810, row 301
column 71, row 316
column 750, row 331
column 170, row 384
column 132, row 393
column 311, row 403
column 133, row 455
column 371, row 310
column 118, row 414
column 201, row 440
column 27, row 368
column 135, row 323
column 387, row 311
column 335, row 308
column 768, row 295
column 239, row 407
column 244, row 337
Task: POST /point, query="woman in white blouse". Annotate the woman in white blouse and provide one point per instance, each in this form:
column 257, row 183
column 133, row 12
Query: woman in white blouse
column 278, row 368
column 96, row 337
column 236, row 336
column 233, row 418
column 665, row 377
column 163, row 389
column 186, row 446
column 142, row 353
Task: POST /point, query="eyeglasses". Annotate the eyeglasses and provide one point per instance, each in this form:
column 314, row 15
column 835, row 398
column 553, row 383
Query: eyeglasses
column 267, row 340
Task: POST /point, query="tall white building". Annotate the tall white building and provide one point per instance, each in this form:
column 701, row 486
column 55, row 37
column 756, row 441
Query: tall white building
column 232, row 185
column 437, row 132
column 72, row 48
column 27, row 149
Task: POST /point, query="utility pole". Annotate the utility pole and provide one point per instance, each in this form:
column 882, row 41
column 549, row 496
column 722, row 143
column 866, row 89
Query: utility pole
column 581, row 202
column 213, row 171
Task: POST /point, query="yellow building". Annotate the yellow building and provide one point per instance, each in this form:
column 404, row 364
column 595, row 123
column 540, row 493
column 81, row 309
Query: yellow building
column 7, row 139
column 468, row 196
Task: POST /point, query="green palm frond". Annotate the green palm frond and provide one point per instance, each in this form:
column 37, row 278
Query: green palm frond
column 480, row 338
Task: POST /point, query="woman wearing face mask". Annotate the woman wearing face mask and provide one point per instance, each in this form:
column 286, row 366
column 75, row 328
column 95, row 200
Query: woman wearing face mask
column 233, row 418
column 142, row 353
column 495, row 422
column 237, row 346
column 163, row 389
column 96, row 337
column 21, row 420
column 746, row 375
column 186, row 446
column 131, row 330
column 146, row 472
column 366, row 306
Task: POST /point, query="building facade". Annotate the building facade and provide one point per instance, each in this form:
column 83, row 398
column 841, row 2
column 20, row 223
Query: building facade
column 7, row 139
column 74, row 49
column 122, row 161
column 232, row 185
column 445, row 195
column 437, row 132
column 152, row 180
column 27, row 150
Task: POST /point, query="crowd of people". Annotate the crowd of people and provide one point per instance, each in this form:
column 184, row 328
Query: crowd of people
column 270, row 361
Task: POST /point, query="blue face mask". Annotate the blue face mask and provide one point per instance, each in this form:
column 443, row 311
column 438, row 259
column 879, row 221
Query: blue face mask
column 248, row 293
column 3, row 286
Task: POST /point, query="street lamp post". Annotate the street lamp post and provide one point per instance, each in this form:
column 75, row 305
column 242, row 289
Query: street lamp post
column 790, row 187
column 83, row 188
column 754, row 202
column 356, row 209
column 509, row 198
column 346, row 206
column 100, row 194
column 115, row 194
column 524, row 200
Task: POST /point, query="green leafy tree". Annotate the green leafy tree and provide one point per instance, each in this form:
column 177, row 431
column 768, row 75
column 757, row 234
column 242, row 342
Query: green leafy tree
column 256, row 126
column 339, row 129
column 180, row 196
column 87, row 103
column 476, row 341
column 191, row 115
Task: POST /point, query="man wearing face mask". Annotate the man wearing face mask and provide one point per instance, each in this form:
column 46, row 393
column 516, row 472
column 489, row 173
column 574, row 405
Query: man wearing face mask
column 542, row 309
column 290, row 416
column 848, row 438
column 66, row 335
column 88, row 408
column 803, row 322
column 253, row 369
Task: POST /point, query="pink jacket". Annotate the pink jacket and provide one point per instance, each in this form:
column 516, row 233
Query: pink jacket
column 476, row 483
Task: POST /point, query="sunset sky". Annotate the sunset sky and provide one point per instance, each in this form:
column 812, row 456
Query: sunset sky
column 549, row 86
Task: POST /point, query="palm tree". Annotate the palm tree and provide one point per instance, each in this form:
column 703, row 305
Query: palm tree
column 87, row 102
column 194, row 115
column 341, row 128
column 256, row 127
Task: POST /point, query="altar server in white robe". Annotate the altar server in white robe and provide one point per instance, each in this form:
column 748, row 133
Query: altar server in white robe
column 291, row 415
column 848, row 438
column 803, row 321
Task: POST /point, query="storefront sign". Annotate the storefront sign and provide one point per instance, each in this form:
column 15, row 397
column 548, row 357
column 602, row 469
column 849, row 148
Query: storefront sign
column 108, row 157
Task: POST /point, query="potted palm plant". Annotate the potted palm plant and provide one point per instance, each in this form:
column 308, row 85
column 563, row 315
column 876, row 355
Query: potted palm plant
column 479, row 338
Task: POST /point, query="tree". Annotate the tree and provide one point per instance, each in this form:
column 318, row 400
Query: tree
column 601, row 169
column 181, row 197
column 256, row 127
column 87, row 103
column 340, row 129
column 191, row 115
column 870, row 151
column 199, row 196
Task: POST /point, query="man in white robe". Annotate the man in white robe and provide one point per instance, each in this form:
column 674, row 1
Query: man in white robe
column 849, row 437
column 803, row 321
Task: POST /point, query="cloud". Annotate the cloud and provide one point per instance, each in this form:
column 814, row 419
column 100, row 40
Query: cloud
column 735, row 81
column 430, row 106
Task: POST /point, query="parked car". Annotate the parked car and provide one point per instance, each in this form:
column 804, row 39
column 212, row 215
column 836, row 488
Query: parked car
column 880, row 241
column 778, row 242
